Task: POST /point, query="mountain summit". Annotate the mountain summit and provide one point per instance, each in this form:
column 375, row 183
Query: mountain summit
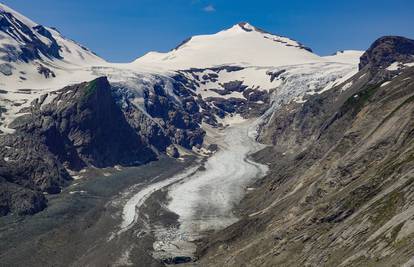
column 388, row 50
column 242, row 44
column 33, row 50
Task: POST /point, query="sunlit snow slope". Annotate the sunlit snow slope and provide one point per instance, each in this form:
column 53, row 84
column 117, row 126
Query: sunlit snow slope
column 242, row 45
column 25, row 46
column 34, row 60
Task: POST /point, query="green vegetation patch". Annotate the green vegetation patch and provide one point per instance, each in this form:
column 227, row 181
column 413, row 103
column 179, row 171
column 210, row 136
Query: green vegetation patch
column 387, row 208
column 90, row 89
column 396, row 163
column 357, row 101
column 389, row 116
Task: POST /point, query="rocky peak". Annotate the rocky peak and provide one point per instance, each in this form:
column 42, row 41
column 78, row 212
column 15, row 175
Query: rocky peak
column 23, row 40
column 83, row 126
column 30, row 40
column 248, row 27
column 387, row 50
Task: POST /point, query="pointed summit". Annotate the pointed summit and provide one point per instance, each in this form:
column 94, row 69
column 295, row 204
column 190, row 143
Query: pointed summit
column 23, row 40
column 246, row 27
column 249, row 27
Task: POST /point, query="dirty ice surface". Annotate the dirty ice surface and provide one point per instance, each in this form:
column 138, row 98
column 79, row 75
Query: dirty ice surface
column 205, row 200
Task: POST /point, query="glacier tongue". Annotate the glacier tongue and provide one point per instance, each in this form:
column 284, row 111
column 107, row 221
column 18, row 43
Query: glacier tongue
column 204, row 200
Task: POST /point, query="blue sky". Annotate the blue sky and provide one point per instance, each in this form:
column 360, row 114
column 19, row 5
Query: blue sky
column 126, row 29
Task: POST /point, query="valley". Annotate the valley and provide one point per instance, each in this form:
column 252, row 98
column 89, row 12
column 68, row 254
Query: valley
column 237, row 148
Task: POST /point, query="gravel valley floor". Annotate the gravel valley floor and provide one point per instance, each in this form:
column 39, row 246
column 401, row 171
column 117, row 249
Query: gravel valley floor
column 78, row 227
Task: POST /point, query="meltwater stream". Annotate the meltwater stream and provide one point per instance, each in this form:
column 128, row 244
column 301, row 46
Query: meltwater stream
column 204, row 199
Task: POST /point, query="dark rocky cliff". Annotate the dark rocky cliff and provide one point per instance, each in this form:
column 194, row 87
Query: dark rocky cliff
column 387, row 50
column 75, row 127
column 91, row 124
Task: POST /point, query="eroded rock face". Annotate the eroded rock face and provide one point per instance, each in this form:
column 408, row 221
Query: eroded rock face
column 172, row 121
column 23, row 201
column 27, row 169
column 47, row 73
column 28, row 162
column 83, row 126
column 247, row 102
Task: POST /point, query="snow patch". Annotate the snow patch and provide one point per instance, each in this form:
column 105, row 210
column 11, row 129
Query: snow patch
column 395, row 66
column 385, row 83
column 346, row 86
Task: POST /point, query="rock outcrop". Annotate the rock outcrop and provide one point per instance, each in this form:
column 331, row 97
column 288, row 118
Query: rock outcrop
column 75, row 127
column 83, row 126
column 91, row 124
column 387, row 50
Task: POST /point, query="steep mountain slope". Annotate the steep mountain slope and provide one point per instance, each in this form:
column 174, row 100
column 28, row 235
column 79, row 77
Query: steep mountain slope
column 339, row 191
column 31, row 51
column 73, row 128
column 33, row 60
column 26, row 41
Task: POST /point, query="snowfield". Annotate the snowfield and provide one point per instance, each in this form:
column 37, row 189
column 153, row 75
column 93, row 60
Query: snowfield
column 234, row 46
column 346, row 56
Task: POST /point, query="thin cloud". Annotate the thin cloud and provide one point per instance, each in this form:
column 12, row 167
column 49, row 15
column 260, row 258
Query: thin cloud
column 209, row 8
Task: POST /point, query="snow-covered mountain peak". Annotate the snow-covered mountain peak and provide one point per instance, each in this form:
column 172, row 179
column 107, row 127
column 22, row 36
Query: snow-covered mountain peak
column 31, row 54
column 243, row 26
column 5, row 9
column 40, row 60
column 246, row 26
column 242, row 45
column 22, row 40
